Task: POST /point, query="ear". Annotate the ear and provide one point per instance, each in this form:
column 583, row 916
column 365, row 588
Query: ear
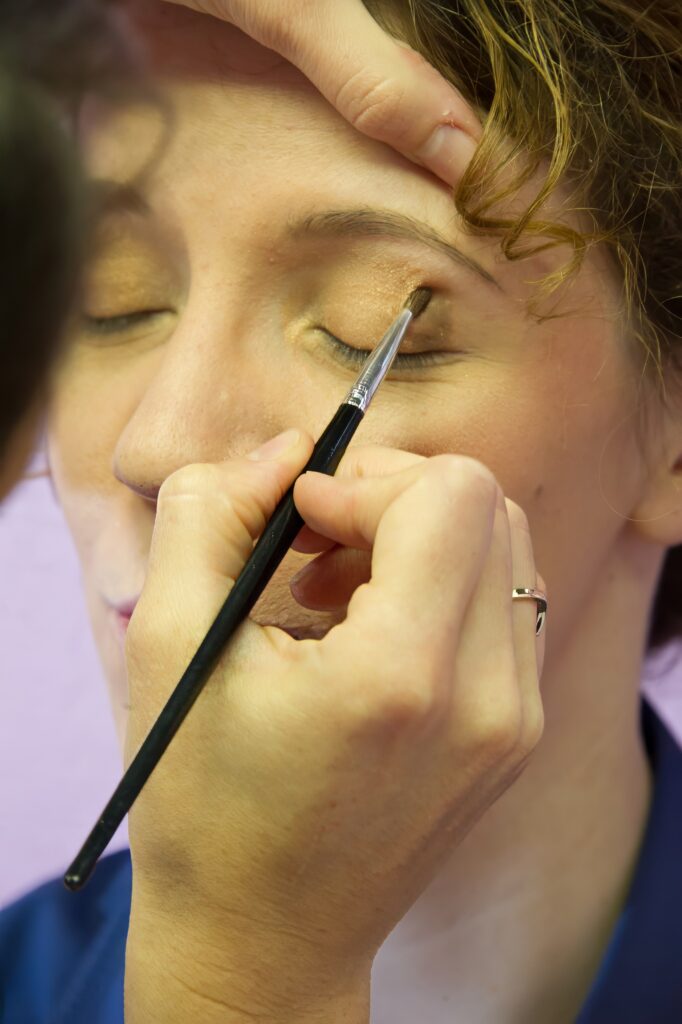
column 657, row 516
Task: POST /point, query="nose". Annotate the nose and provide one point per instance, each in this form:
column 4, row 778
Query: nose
column 200, row 400
column 148, row 491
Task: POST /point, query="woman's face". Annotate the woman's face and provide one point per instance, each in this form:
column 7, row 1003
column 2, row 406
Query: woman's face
column 260, row 232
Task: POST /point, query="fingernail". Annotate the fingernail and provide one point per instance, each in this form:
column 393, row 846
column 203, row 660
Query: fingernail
column 447, row 153
column 276, row 446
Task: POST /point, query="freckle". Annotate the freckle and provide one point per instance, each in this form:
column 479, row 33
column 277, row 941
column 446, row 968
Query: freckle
column 538, row 490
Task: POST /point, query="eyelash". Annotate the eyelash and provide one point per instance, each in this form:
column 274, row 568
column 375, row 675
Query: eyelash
column 357, row 356
column 347, row 353
column 116, row 324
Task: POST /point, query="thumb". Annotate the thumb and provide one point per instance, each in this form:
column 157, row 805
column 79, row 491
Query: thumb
column 382, row 87
column 207, row 519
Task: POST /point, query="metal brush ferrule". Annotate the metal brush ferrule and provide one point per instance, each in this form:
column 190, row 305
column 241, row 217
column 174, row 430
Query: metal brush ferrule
column 379, row 363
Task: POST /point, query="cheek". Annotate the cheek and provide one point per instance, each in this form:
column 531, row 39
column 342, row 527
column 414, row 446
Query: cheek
column 86, row 413
column 571, row 461
column 553, row 424
column 85, row 416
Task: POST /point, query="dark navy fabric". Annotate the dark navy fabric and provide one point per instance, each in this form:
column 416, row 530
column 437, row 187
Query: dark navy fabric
column 62, row 953
column 640, row 978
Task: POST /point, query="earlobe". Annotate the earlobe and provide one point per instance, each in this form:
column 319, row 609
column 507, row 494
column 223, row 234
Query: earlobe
column 658, row 515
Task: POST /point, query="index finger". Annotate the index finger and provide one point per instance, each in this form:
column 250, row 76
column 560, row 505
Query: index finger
column 358, row 461
column 429, row 529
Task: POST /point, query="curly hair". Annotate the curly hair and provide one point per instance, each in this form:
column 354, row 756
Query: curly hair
column 590, row 92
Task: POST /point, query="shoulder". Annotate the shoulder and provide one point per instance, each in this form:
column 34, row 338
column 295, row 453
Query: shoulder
column 54, row 943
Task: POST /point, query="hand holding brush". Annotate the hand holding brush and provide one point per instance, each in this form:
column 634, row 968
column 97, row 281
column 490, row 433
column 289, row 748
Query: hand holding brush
column 317, row 785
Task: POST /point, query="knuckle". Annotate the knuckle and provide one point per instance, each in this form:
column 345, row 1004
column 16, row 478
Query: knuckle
column 460, row 472
column 533, row 727
column 372, row 103
column 196, row 478
column 404, row 705
column 278, row 34
column 399, row 694
column 497, row 731
column 227, row 489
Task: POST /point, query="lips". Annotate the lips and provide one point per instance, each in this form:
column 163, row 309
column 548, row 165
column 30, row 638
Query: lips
column 126, row 608
column 121, row 612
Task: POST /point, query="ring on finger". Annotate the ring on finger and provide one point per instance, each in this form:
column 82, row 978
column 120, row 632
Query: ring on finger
column 537, row 596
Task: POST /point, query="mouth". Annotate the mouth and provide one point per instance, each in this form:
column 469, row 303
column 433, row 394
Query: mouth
column 121, row 620
column 121, row 612
column 126, row 608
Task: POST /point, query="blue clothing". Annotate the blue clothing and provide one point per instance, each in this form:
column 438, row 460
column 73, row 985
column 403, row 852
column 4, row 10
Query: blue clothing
column 62, row 953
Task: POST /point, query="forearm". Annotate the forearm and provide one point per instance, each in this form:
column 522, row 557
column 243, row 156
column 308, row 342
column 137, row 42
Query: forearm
column 168, row 981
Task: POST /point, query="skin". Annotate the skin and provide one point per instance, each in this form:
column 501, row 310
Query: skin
column 381, row 86
column 384, row 89
column 548, row 408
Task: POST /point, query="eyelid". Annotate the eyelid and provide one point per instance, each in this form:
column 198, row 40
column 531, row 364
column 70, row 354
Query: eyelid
column 123, row 322
column 406, row 359
column 119, row 322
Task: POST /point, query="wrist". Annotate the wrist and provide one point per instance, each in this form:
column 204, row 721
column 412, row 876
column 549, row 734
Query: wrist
column 176, row 976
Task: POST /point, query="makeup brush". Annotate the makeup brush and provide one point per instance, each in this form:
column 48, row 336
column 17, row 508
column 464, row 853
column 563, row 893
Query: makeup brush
column 271, row 547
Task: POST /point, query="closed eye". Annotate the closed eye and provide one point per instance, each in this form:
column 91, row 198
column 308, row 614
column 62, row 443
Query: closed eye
column 357, row 356
column 118, row 324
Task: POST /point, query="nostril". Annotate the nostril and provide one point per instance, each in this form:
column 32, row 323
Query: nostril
column 148, row 491
column 151, row 492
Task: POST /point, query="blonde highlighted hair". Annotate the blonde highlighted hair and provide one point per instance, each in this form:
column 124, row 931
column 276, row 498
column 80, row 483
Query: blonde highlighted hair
column 588, row 92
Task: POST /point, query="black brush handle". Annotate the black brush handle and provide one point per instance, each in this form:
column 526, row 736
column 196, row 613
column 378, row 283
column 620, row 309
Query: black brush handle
column 270, row 549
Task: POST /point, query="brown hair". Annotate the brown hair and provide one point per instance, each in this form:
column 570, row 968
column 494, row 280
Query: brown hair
column 593, row 92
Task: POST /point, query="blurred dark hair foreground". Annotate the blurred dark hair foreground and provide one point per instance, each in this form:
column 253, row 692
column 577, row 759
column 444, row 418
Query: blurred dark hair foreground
column 50, row 54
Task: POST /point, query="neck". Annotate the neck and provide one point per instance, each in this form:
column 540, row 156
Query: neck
column 515, row 925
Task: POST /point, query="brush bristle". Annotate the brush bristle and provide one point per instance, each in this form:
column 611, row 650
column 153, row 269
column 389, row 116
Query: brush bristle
column 418, row 301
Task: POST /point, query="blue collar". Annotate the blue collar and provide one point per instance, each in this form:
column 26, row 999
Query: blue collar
column 62, row 954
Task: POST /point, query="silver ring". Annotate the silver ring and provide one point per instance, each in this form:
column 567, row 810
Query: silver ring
column 540, row 598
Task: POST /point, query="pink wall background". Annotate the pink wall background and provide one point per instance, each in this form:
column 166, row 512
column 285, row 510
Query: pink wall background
column 59, row 758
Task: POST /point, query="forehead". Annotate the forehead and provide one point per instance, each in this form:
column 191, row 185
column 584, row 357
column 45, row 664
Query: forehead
column 240, row 137
column 237, row 120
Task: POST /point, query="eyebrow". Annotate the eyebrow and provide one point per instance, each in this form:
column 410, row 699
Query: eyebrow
column 107, row 197
column 367, row 222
